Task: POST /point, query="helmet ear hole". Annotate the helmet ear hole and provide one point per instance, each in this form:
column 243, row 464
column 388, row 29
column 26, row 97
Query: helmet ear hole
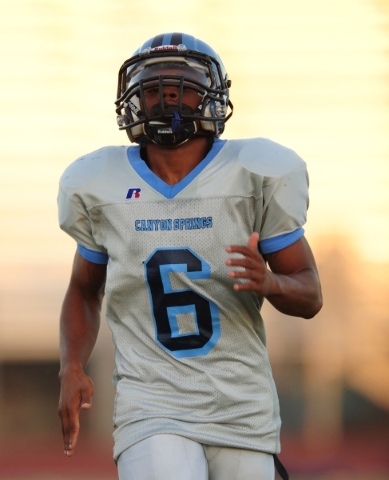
column 129, row 135
column 208, row 126
column 134, row 133
column 205, row 124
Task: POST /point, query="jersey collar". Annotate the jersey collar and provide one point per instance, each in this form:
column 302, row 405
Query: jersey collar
column 169, row 191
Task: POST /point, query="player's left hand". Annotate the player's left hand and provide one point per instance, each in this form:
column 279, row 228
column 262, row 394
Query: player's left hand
column 259, row 279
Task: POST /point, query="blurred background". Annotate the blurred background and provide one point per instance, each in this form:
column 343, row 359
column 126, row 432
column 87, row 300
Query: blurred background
column 310, row 74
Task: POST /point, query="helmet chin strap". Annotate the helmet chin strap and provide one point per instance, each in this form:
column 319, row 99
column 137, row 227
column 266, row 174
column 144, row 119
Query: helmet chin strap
column 176, row 121
column 170, row 131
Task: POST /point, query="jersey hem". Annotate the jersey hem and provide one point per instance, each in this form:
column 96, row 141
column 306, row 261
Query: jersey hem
column 270, row 245
column 92, row 256
column 270, row 444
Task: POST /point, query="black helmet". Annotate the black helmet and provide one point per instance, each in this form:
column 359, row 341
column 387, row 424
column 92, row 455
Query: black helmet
column 183, row 61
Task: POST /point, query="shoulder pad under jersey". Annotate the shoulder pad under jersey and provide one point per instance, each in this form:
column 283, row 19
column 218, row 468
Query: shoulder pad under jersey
column 267, row 158
column 88, row 167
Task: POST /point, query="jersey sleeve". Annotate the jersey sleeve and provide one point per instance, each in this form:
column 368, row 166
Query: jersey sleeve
column 285, row 204
column 75, row 221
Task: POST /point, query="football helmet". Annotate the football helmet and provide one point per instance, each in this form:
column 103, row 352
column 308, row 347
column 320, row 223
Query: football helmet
column 155, row 84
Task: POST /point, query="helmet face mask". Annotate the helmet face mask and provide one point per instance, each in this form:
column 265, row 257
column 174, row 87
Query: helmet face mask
column 169, row 93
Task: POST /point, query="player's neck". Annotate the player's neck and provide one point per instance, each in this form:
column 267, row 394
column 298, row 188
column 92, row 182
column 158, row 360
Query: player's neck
column 173, row 164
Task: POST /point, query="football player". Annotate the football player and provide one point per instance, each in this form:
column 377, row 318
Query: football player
column 186, row 235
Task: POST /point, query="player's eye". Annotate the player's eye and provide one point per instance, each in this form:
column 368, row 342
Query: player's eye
column 190, row 89
column 152, row 91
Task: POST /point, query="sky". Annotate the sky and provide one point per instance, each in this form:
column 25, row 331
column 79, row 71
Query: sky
column 309, row 74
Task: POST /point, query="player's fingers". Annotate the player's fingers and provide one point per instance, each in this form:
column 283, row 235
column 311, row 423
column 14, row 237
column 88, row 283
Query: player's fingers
column 248, row 274
column 72, row 432
column 86, row 396
column 76, row 394
column 69, row 415
column 247, row 286
column 243, row 250
column 64, row 427
column 253, row 263
column 247, row 263
column 69, row 431
column 250, row 248
column 85, row 403
column 253, row 242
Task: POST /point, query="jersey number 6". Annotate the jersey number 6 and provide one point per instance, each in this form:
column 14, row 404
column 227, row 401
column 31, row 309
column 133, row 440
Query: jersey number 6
column 167, row 304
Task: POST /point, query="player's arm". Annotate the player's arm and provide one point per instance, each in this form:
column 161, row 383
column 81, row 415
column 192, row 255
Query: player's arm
column 291, row 285
column 79, row 326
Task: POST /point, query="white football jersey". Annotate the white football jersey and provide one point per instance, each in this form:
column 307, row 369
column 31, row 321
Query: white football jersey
column 190, row 351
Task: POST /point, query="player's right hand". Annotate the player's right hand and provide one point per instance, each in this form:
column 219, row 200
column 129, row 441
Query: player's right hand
column 76, row 394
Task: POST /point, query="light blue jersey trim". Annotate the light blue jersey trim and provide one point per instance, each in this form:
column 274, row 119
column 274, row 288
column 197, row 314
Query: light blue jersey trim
column 92, row 256
column 159, row 185
column 274, row 244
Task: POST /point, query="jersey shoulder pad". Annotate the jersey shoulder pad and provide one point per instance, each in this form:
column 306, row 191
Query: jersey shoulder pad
column 267, row 158
column 90, row 166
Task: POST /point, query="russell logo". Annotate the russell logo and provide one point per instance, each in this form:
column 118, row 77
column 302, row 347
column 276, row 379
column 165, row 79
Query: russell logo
column 134, row 193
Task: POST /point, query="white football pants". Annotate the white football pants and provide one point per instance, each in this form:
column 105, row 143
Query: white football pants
column 172, row 457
